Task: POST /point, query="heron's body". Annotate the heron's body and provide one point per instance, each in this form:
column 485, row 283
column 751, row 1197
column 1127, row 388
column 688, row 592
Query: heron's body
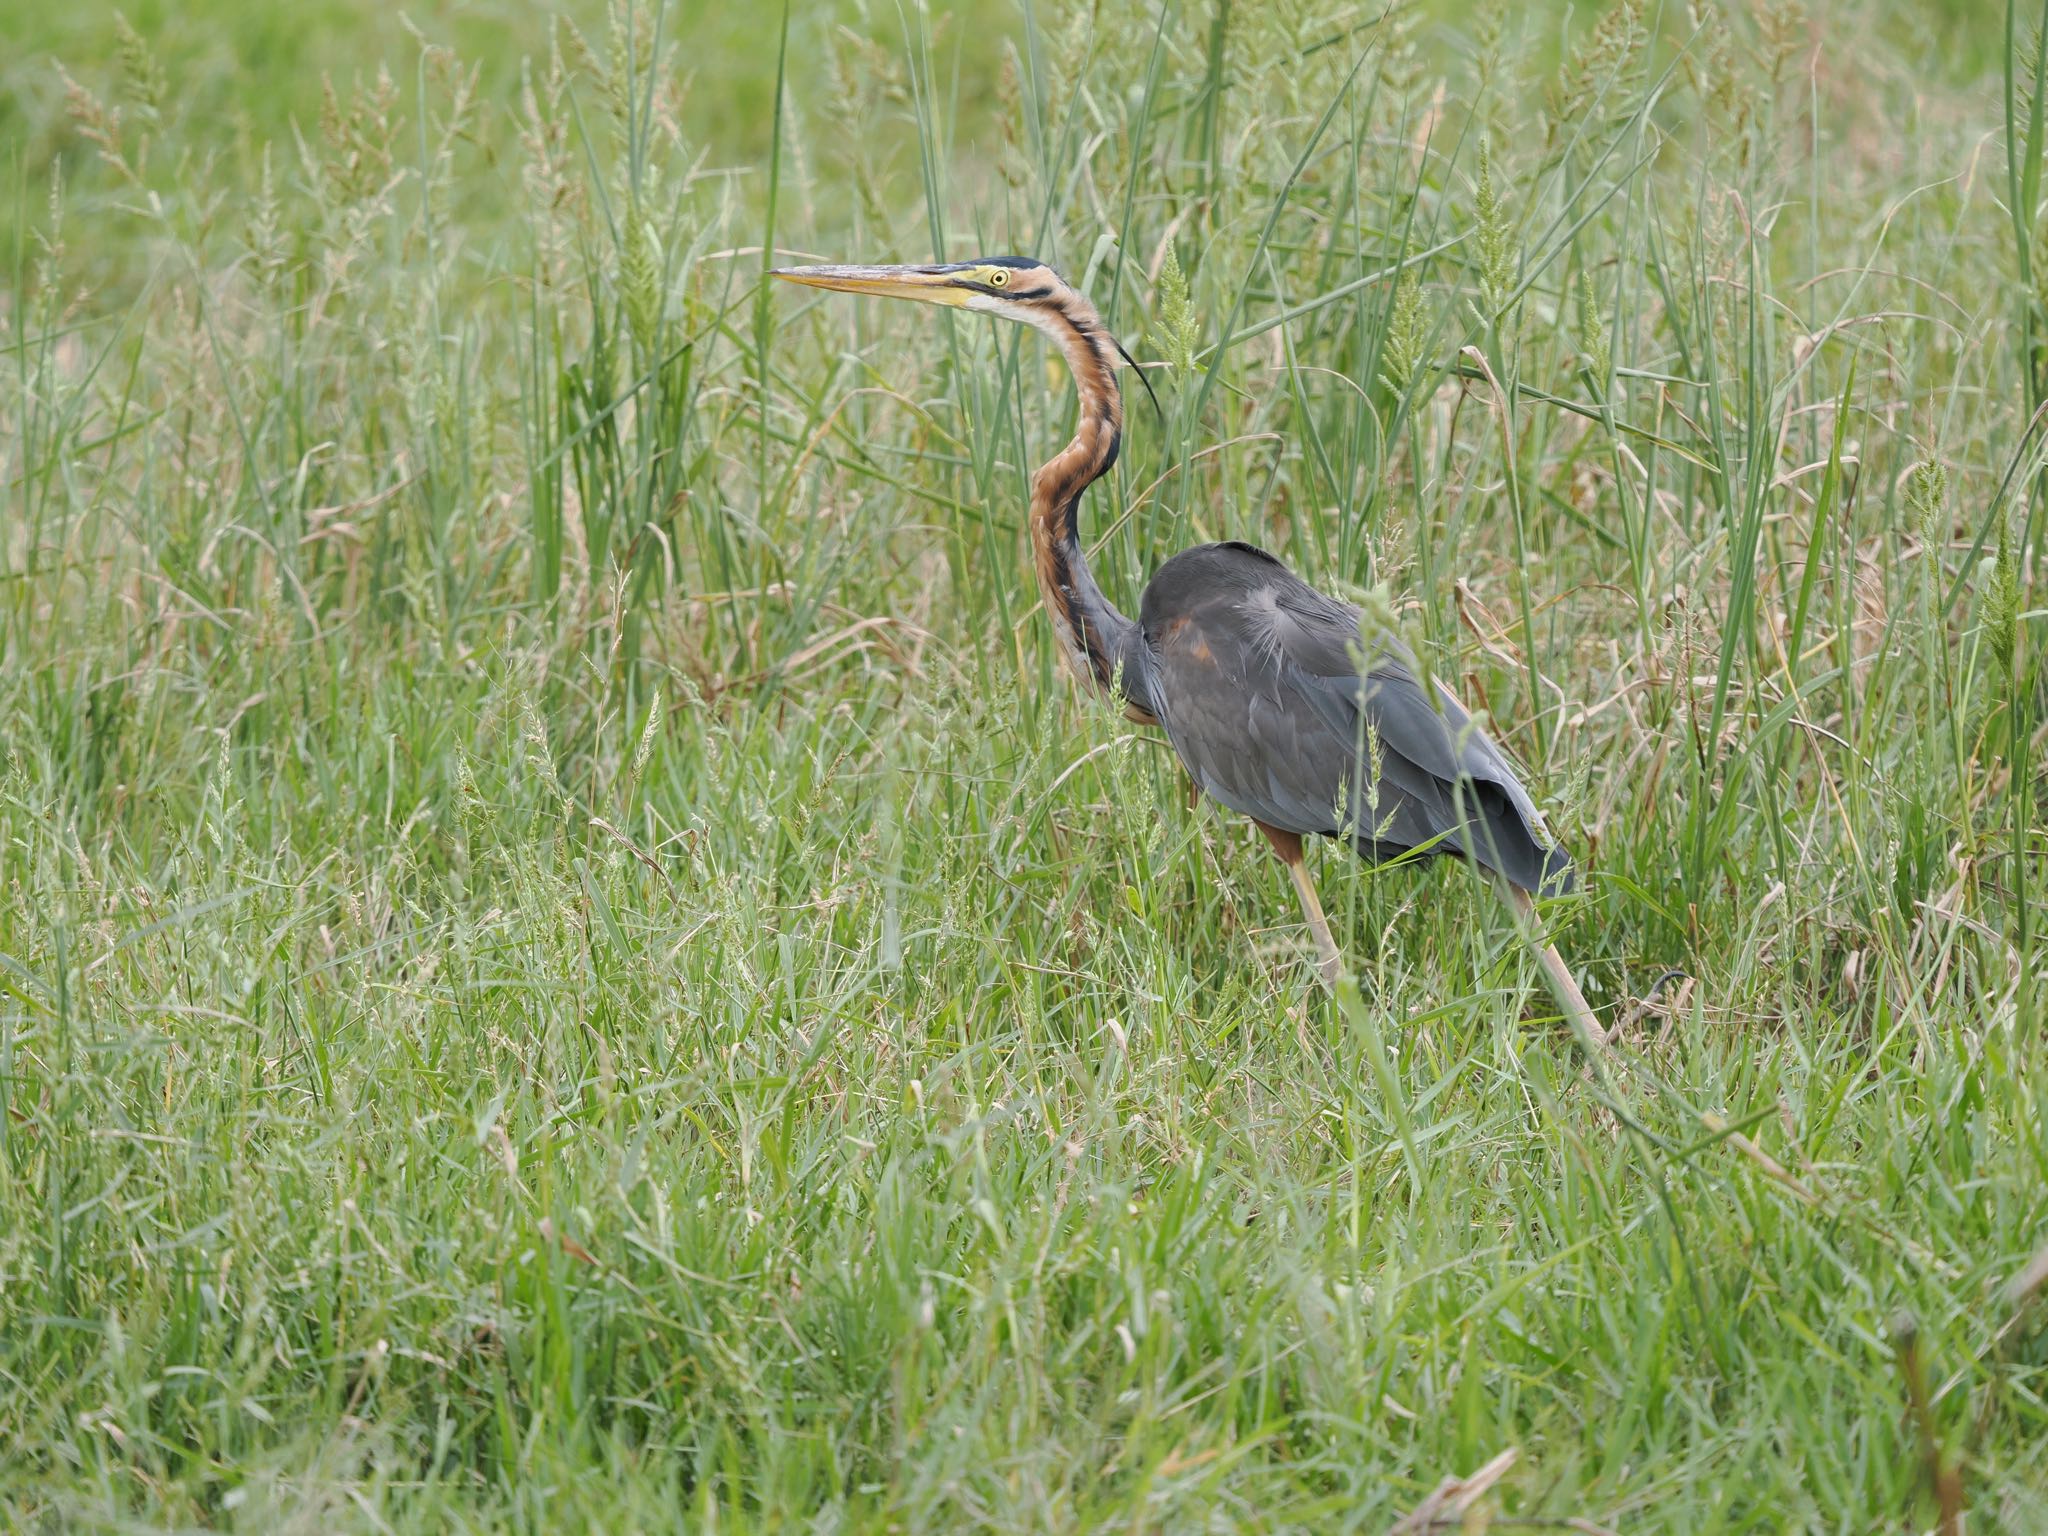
column 1344, row 741
column 1279, row 700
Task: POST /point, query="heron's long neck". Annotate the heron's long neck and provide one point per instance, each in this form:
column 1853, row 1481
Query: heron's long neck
column 1100, row 644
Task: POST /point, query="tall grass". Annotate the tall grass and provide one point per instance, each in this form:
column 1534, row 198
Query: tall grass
column 566, row 957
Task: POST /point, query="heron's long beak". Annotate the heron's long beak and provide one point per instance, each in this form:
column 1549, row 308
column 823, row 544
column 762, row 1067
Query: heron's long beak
column 932, row 285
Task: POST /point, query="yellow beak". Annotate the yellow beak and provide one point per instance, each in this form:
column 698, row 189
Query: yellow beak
column 931, row 285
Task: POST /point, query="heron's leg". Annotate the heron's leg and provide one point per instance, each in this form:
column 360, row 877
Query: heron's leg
column 1326, row 945
column 1576, row 1009
column 1288, row 846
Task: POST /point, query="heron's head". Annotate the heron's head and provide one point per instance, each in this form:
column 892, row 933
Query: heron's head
column 1014, row 287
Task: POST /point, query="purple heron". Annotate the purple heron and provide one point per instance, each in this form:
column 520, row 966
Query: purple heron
column 1282, row 703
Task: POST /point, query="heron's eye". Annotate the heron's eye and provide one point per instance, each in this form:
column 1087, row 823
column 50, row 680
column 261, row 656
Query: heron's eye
column 999, row 278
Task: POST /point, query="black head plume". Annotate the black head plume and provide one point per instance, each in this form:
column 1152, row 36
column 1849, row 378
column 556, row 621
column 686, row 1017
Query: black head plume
column 1120, row 352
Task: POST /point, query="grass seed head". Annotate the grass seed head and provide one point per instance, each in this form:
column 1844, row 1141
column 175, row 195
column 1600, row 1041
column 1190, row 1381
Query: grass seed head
column 1180, row 329
column 1498, row 248
column 1402, row 353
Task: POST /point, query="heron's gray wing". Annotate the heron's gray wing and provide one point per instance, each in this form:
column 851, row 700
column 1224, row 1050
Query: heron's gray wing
column 1490, row 814
column 1447, row 767
column 1257, row 745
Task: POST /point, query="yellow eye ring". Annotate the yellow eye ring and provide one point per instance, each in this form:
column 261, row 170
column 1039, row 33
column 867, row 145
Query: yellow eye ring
column 998, row 278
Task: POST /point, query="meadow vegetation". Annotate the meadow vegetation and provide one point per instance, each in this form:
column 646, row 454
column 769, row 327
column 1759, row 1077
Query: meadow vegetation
column 568, row 959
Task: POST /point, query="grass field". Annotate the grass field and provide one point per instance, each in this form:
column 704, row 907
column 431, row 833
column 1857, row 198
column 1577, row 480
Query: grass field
column 567, row 959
